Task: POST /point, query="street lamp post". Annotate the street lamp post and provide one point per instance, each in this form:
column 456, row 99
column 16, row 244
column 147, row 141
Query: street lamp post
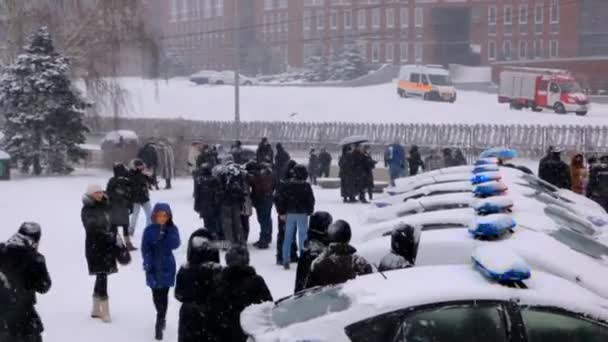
column 237, row 67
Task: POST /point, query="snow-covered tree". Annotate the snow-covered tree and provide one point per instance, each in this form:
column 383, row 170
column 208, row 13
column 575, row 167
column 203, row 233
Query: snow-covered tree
column 316, row 69
column 44, row 113
column 344, row 65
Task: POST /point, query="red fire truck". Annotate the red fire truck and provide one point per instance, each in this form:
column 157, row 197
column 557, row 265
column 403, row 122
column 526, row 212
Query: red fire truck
column 542, row 88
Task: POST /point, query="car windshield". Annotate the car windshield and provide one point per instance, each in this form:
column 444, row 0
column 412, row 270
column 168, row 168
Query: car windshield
column 309, row 305
column 440, row 80
column 570, row 220
column 581, row 243
column 570, row 87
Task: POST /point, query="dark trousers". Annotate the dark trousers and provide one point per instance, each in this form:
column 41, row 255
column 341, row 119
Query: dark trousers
column 313, row 178
column 281, row 238
column 5, row 337
column 167, row 183
column 210, row 221
column 263, row 208
column 161, row 302
column 245, row 228
column 324, row 171
column 100, row 290
column 232, row 224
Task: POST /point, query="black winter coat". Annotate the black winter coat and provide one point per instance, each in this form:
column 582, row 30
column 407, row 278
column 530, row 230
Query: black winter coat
column 555, row 172
column 206, row 195
column 415, row 161
column 265, row 154
column 262, row 186
column 120, row 193
column 295, row 197
column 239, row 287
column 347, row 184
column 313, row 165
column 312, row 250
column 100, row 241
column 324, row 159
column 26, row 272
column 140, row 184
column 360, row 171
column 149, row 156
column 370, row 165
column 280, row 163
column 231, row 189
column 337, row 265
column 597, row 187
column 207, row 157
column 195, row 288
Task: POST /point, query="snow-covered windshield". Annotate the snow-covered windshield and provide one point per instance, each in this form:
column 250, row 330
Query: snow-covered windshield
column 309, row 305
column 568, row 219
column 571, row 87
column 440, row 80
column 581, row 244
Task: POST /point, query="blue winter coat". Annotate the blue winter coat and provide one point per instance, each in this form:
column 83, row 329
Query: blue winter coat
column 394, row 156
column 157, row 250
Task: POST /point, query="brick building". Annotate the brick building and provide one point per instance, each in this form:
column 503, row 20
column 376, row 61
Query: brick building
column 277, row 34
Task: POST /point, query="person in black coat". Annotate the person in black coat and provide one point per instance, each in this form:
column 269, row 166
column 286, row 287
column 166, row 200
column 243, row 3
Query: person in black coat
column 597, row 187
column 100, row 247
column 459, row 158
column 206, row 198
column 370, row 165
column 448, row 158
column 315, row 245
column 324, row 163
column 546, row 158
column 339, row 263
column 196, row 287
column 264, row 153
column 555, row 171
column 281, row 161
column 313, row 166
column 140, row 182
column 404, row 249
column 149, row 155
column 24, row 268
column 360, row 173
column 239, row 287
column 281, row 217
column 347, row 186
column 415, row 161
column 119, row 191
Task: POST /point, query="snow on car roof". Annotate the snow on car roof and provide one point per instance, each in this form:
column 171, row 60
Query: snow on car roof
column 441, row 188
column 4, row 155
column 424, row 181
column 115, row 136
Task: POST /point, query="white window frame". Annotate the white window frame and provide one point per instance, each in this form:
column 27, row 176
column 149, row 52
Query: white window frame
column 390, row 17
column 362, row 19
column 554, row 6
column 539, row 8
column 404, row 52
column 404, row 15
column 508, row 56
column 268, row 4
column 523, row 53
column 554, row 48
column 348, row 19
column 174, row 11
column 307, row 20
column 376, row 49
column 184, row 10
column 523, row 19
column 492, row 15
column 389, row 52
column 333, row 19
column 419, row 17
column 491, row 50
column 508, row 20
column 418, row 52
column 320, row 16
column 376, row 18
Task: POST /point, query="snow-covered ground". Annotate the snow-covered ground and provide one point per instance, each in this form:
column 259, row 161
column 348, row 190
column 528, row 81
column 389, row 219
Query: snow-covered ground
column 55, row 202
column 178, row 98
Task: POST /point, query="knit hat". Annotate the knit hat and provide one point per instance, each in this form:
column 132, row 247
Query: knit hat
column 93, row 188
column 28, row 235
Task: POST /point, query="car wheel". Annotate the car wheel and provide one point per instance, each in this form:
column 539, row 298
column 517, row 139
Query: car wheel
column 583, row 113
column 537, row 109
column 515, row 106
column 247, row 83
column 219, row 82
column 427, row 97
column 559, row 108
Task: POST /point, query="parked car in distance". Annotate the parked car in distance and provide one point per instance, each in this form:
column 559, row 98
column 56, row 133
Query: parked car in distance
column 220, row 77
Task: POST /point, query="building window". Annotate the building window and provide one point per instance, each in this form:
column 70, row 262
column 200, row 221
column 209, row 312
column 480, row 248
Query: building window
column 376, row 18
column 506, row 49
column 282, row 3
column 539, row 14
column 508, row 15
column 375, row 52
column 333, row 20
column 491, row 50
column 348, row 20
column 419, row 20
column 207, row 9
column 268, row 4
column 492, row 14
column 554, row 10
column 184, row 10
column 523, row 49
column 361, row 19
column 389, row 50
column 539, row 48
column 363, row 50
column 554, row 48
column 174, row 10
column 404, row 52
column 320, row 20
column 285, row 21
column 390, row 17
column 404, row 14
column 418, row 52
column 307, row 20
column 523, row 14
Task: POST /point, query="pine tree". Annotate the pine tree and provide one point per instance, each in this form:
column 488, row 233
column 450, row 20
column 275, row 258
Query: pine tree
column 350, row 64
column 44, row 113
column 316, row 69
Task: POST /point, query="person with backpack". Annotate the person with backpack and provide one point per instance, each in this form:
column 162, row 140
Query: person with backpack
column 206, row 198
column 24, row 273
column 339, row 263
column 120, row 193
column 232, row 199
column 140, row 182
column 296, row 202
column 239, row 286
column 160, row 239
column 196, row 288
column 313, row 247
column 100, row 247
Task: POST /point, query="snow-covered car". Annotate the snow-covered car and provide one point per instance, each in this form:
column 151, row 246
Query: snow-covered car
column 227, row 77
column 437, row 303
column 204, row 77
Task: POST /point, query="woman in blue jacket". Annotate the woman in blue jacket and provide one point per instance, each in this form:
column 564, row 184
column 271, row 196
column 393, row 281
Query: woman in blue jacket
column 160, row 239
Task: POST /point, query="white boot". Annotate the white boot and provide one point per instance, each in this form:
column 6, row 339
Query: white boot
column 105, row 311
column 96, row 312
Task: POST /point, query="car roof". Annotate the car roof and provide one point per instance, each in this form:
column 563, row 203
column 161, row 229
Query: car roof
column 436, row 70
column 373, row 295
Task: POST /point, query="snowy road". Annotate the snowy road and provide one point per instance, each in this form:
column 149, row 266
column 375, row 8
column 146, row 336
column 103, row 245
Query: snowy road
column 56, row 202
column 379, row 104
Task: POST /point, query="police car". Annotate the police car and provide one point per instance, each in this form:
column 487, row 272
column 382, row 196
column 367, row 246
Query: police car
column 495, row 297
